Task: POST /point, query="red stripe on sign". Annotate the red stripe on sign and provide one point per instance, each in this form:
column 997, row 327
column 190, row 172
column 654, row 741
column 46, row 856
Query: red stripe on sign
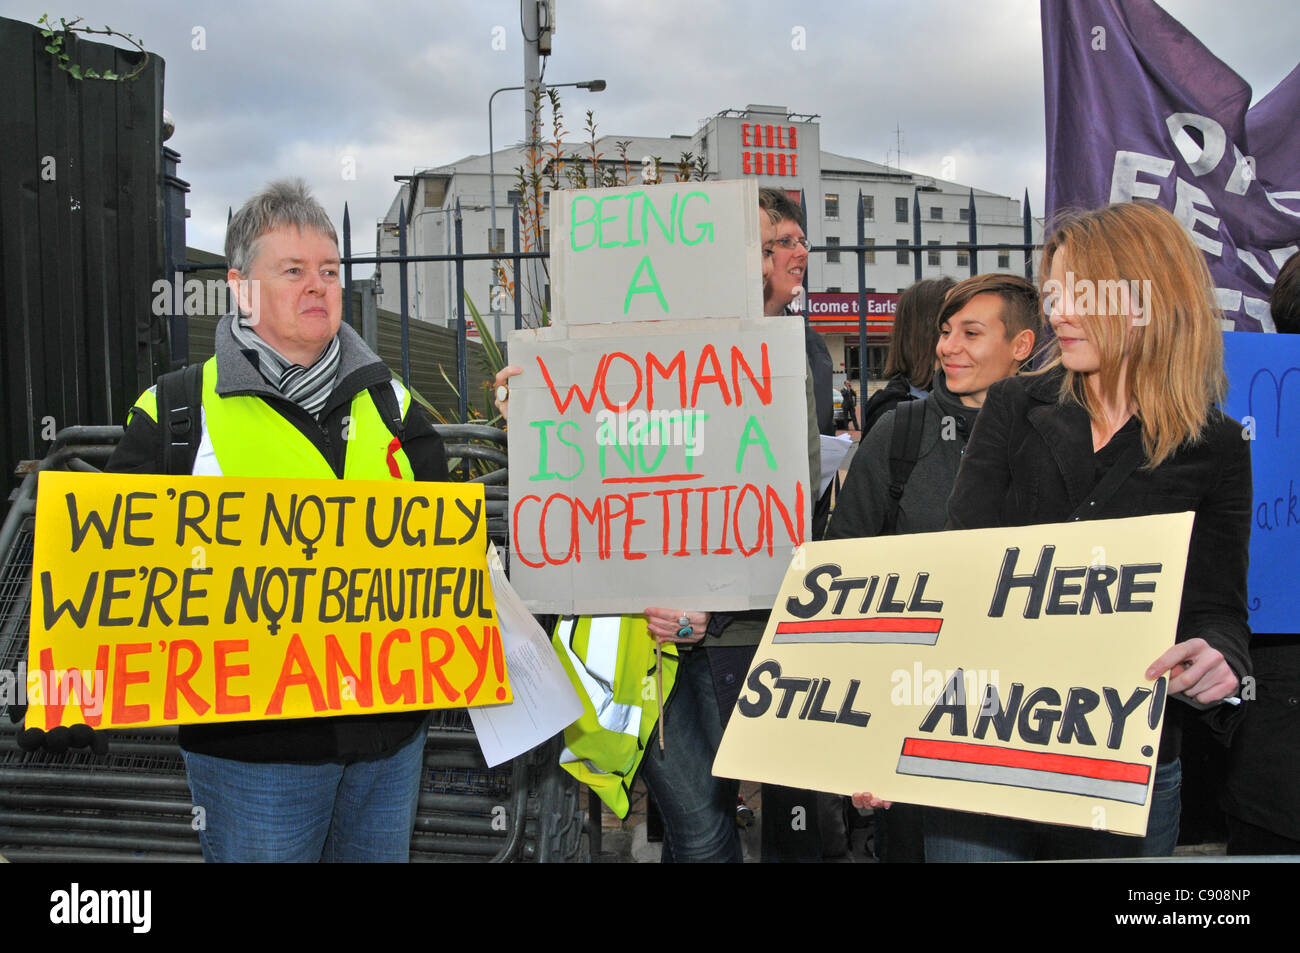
column 657, row 478
column 877, row 624
column 1035, row 760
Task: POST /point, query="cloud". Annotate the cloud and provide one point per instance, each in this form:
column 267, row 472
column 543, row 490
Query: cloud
column 296, row 88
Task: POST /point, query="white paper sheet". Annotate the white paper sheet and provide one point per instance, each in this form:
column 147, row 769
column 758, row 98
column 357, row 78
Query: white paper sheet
column 834, row 450
column 544, row 700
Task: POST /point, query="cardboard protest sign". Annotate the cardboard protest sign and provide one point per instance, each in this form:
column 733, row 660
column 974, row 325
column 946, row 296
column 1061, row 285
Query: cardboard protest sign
column 996, row 670
column 1264, row 394
column 178, row 600
column 656, row 252
column 658, row 464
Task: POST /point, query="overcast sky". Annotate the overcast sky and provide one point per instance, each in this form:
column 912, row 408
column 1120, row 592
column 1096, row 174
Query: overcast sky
column 265, row 89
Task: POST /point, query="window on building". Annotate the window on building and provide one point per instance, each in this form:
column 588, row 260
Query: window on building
column 900, row 209
column 869, row 256
column 833, row 243
column 903, row 257
column 546, row 240
column 498, row 243
column 1004, row 259
column 932, row 256
column 963, row 214
column 877, row 355
column 963, row 257
column 514, row 197
column 546, row 199
column 869, row 207
column 832, row 205
column 936, row 213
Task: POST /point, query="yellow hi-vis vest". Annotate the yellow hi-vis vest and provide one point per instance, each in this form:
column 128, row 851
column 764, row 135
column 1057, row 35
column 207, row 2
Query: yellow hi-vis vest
column 611, row 662
column 245, row 436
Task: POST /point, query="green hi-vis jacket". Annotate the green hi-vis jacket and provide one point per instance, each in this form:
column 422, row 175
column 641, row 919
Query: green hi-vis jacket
column 611, row 662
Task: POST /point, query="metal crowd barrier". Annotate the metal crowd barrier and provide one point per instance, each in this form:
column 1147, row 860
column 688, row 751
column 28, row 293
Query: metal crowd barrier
column 133, row 804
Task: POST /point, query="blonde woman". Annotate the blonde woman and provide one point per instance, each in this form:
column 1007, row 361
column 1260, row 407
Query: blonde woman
column 1130, row 385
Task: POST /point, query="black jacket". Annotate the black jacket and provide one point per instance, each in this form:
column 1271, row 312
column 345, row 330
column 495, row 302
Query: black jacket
column 299, row 740
column 864, row 502
column 1263, row 783
column 820, row 368
column 1030, row 460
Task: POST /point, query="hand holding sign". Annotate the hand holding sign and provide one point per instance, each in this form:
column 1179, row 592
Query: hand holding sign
column 667, row 625
column 1205, row 676
column 501, row 389
column 866, row 799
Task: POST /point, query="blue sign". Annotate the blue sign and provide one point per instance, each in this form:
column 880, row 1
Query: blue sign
column 1264, row 394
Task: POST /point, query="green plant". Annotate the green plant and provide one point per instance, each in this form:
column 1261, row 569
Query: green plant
column 489, row 416
column 495, row 361
column 547, row 164
column 622, row 146
column 55, row 47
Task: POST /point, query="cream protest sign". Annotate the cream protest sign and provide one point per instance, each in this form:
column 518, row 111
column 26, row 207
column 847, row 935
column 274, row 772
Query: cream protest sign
column 656, row 252
column 177, row 600
column 1000, row 671
column 658, row 466
column 659, row 438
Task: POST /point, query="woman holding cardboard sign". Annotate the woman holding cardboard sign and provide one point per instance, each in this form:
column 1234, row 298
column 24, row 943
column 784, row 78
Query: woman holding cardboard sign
column 1121, row 421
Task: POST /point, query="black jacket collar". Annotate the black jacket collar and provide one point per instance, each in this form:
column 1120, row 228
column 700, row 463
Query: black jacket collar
column 1067, row 432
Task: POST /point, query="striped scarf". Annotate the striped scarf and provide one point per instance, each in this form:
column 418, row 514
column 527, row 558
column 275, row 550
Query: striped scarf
column 308, row 387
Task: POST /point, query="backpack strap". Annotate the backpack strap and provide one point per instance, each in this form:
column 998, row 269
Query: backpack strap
column 179, row 396
column 386, row 403
column 881, row 402
column 904, row 449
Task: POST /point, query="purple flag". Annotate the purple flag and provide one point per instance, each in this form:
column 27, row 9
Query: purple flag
column 1138, row 108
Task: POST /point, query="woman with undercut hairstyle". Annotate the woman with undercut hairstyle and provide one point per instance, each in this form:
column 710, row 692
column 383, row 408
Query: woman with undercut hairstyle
column 1121, row 421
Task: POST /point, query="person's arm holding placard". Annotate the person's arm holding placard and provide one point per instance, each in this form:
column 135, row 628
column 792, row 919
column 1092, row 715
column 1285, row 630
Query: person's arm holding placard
column 1211, row 655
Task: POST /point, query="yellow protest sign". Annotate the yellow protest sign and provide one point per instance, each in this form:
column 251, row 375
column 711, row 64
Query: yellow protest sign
column 1000, row 671
column 177, row 600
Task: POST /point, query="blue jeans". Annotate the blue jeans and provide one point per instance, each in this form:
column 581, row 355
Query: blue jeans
column 699, row 810
column 960, row 837
column 303, row 813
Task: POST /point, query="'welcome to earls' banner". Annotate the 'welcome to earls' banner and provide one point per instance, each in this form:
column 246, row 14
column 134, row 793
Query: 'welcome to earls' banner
column 165, row 600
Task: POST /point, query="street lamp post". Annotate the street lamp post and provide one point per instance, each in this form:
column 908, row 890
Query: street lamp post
column 591, row 85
